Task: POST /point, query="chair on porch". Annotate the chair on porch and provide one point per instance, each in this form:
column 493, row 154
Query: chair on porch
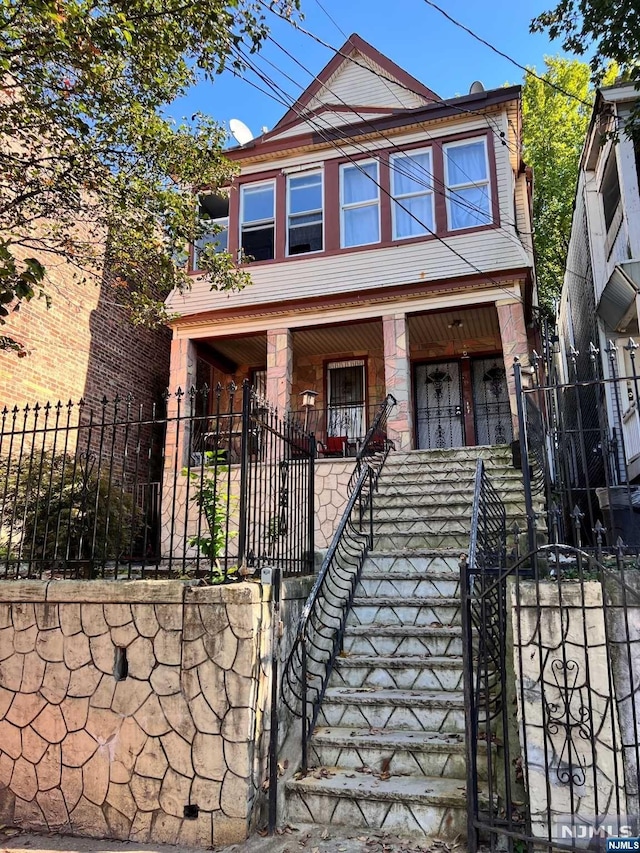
column 335, row 445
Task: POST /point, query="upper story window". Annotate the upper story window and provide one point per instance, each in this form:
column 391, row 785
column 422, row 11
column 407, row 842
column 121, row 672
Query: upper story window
column 359, row 204
column 412, row 191
column 304, row 205
column 468, row 188
column 257, row 221
column 610, row 191
column 213, row 211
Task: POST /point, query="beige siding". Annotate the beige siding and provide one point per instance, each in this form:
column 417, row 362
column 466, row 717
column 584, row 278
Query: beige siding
column 327, row 119
column 356, row 85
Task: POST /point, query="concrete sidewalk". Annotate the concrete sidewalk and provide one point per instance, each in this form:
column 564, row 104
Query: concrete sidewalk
column 310, row 839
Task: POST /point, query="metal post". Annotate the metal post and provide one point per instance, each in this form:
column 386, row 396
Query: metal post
column 303, row 678
column 524, row 453
column 244, row 472
column 273, row 732
column 311, row 520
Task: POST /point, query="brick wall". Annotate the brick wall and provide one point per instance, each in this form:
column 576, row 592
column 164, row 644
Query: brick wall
column 83, row 346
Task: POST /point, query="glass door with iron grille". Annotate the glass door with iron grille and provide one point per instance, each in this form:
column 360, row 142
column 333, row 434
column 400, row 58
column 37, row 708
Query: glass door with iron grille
column 346, row 413
column 491, row 401
column 439, row 414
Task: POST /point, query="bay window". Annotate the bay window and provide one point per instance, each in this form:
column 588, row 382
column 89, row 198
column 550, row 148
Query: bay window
column 359, row 204
column 466, row 170
column 257, row 221
column 304, row 218
column 412, row 192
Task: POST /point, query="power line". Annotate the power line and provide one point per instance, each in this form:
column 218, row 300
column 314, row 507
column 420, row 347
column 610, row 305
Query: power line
column 434, row 100
column 279, row 90
column 445, row 192
column 506, row 56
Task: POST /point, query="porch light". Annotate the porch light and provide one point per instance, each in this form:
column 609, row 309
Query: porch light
column 308, row 402
column 308, row 399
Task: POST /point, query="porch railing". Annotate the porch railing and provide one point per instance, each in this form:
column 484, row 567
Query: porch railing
column 210, row 484
column 346, row 423
column 322, row 624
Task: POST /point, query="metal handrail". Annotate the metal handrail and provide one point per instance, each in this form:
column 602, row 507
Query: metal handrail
column 324, row 615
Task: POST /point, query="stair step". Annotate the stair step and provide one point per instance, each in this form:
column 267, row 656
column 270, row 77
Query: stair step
column 408, row 541
column 369, row 707
column 406, row 805
column 412, row 560
column 398, row 672
column 404, row 611
column 405, row 584
column 403, row 640
column 402, row 753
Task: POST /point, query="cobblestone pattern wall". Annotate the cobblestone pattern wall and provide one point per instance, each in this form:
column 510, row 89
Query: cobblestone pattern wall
column 84, row 753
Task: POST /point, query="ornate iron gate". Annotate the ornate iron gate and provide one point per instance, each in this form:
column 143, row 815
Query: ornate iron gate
column 439, row 417
column 491, row 401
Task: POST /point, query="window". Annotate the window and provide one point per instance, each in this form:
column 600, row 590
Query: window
column 304, row 227
column 360, row 204
column 467, row 181
column 213, row 211
column 412, row 191
column 257, row 221
column 610, row 191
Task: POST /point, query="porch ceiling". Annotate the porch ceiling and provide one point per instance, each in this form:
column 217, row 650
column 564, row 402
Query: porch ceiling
column 251, row 349
column 327, row 340
column 459, row 325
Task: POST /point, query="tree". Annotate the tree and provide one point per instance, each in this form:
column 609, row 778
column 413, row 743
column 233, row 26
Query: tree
column 91, row 170
column 554, row 127
column 607, row 29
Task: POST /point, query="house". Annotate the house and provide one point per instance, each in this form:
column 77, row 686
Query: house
column 599, row 305
column 387, row 232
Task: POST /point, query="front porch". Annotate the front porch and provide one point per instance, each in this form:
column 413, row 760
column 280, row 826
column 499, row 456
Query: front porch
column 449, row 370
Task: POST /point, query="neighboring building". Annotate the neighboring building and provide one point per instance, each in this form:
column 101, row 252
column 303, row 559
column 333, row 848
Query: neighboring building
column 83, row 346
column 600, row 300
column 390, row 232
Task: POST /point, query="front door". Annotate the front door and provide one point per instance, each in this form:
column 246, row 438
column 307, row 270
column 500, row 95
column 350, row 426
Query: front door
column 346, row 415
column 439, row 413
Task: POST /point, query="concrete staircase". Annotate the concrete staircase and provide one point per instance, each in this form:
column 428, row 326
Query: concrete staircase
column 389, row 747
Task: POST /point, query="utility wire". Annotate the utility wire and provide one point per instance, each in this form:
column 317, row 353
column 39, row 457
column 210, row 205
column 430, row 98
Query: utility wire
column 288, row 98
column 433, row 180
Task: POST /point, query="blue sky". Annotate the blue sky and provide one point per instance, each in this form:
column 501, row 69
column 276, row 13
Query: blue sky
column 409, row 32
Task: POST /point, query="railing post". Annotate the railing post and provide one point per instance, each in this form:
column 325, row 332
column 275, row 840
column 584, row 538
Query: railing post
column 303, row 677
column 471, row 732
column 311, row 501
column 244, row 471
column 273, row 732
column 524, row 454
column 370, row 507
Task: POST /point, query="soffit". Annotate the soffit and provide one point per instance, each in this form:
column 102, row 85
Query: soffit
column 479, row 323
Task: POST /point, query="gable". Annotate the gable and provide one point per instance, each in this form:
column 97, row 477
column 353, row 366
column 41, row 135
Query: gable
column 360, row 76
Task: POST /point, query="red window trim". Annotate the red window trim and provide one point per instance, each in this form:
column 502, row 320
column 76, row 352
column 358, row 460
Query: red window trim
column 331, row 177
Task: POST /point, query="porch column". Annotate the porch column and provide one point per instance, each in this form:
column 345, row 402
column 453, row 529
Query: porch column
column 513, row 333
column 182, row 375
column 279, row 368
column 397, row 376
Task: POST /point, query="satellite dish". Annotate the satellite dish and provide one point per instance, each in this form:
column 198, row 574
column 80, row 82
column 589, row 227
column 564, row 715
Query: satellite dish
column 476, row 88
column 240, row 131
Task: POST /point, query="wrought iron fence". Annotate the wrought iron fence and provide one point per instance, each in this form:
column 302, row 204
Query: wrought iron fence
column 211, row 484
column 580, row 445
column 324, row 617
column 552, row 686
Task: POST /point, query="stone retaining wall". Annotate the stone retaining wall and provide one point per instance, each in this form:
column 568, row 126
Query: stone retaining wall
column 135, row 710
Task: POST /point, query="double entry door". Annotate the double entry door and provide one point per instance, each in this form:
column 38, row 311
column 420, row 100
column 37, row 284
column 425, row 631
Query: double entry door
column 462, row 402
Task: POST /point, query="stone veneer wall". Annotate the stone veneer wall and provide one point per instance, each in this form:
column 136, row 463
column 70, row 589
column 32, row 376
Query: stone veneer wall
column 84, row 753
column 331, row 479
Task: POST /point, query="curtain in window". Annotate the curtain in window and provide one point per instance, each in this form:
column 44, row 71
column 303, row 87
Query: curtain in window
column 468, row 206
column 361, row 225
column 359, row 187
column 421, row 222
